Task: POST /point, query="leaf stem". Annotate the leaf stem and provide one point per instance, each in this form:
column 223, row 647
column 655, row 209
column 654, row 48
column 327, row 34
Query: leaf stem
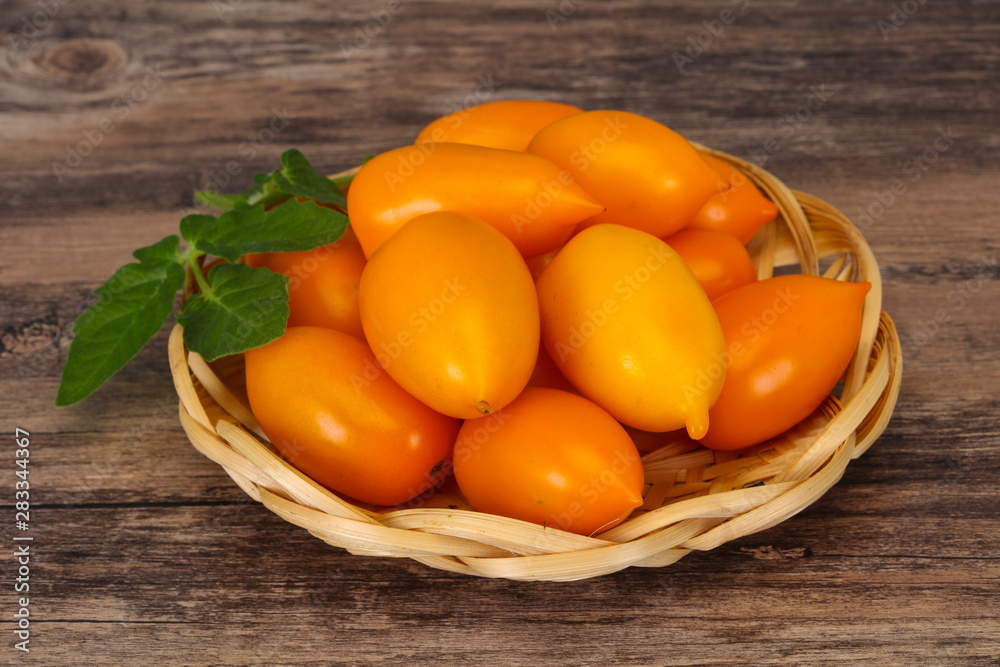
column 192, row 261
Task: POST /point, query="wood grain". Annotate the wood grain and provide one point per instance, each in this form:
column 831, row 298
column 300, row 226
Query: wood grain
column 147, row 553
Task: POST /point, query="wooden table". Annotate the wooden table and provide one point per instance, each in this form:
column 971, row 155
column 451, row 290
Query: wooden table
column 145, row 552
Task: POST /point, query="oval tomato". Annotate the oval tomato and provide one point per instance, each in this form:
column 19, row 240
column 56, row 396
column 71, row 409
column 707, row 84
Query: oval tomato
column 507, row 124
column 323, row 283
column 552, row 458
column 717, row 260
column 648, row 176
column 740, row 211
column 331, row 412
column 530, row 200
column 450, row 309
column 790, row 339
column 629, row 325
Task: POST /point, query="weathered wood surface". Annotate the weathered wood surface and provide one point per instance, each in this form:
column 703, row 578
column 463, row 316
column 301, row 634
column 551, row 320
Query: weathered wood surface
column 147, row 553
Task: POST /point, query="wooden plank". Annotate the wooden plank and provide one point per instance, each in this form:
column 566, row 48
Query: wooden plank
column 147, row 553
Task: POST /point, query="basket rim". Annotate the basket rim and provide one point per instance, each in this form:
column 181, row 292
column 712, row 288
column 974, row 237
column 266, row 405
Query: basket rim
column 724, row 495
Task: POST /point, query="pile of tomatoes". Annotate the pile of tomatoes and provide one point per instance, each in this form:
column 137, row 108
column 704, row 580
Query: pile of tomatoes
column 516, row 286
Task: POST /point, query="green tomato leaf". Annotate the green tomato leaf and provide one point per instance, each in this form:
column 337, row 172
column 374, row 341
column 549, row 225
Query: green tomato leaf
column 246, row 308
column 299, row 179
column 217, row 200
column 167, row 250
column 194, row 226
column 134, row 304
column 292, row 227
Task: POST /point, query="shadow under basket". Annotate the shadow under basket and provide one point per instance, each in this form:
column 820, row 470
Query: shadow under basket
column 695, row 498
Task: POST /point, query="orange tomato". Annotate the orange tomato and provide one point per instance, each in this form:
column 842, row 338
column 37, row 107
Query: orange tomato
column 648, row 176
column 449, row 307
column 552, row 458
column 323, row 283
column 628, row 324
column 717, row 260
column 789, row 340
column 530, row 200
column 739, row 210
column 332, row 413
column 507, row 124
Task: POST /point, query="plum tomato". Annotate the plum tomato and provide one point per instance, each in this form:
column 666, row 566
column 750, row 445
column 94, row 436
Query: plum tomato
column 449, row 307
column 739, row 211
column 717, row 260
column 331, row 412
column 789, row 339
column 323, row 283
column 552, row 458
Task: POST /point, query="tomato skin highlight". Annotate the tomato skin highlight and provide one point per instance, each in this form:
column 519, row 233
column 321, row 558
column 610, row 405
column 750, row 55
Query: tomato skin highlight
column 528, row 199
column 648, row 176
column 322, row 400
column 739, row 211
column 449, row 307
column 789, row 340
column 506, row 124
column 719, row 262
column 323, row 283
column 551, row 458
column 628, row 324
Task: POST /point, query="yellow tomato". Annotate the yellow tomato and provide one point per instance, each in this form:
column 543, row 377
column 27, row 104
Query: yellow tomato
column 530, row 200
column 648, row 176
column 449, row 308
column 507, row 124
column 717, row 260
column 629, row 325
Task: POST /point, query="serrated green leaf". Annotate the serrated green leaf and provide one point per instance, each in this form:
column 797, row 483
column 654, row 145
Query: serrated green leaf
column 217, row 200
column 246, row 308
column 299, row 179
column 292, row 227
column 194, row 226
column 167, row 250
column 134, row 303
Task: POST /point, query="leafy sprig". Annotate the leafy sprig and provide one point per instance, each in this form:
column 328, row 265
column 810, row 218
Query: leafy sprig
column 296, row 178
column 236, row 308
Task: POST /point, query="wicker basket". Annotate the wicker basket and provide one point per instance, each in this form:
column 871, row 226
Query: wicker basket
column 695, row 498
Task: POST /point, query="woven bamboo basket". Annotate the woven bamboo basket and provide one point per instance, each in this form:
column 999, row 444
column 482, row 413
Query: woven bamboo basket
column 695, row 498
